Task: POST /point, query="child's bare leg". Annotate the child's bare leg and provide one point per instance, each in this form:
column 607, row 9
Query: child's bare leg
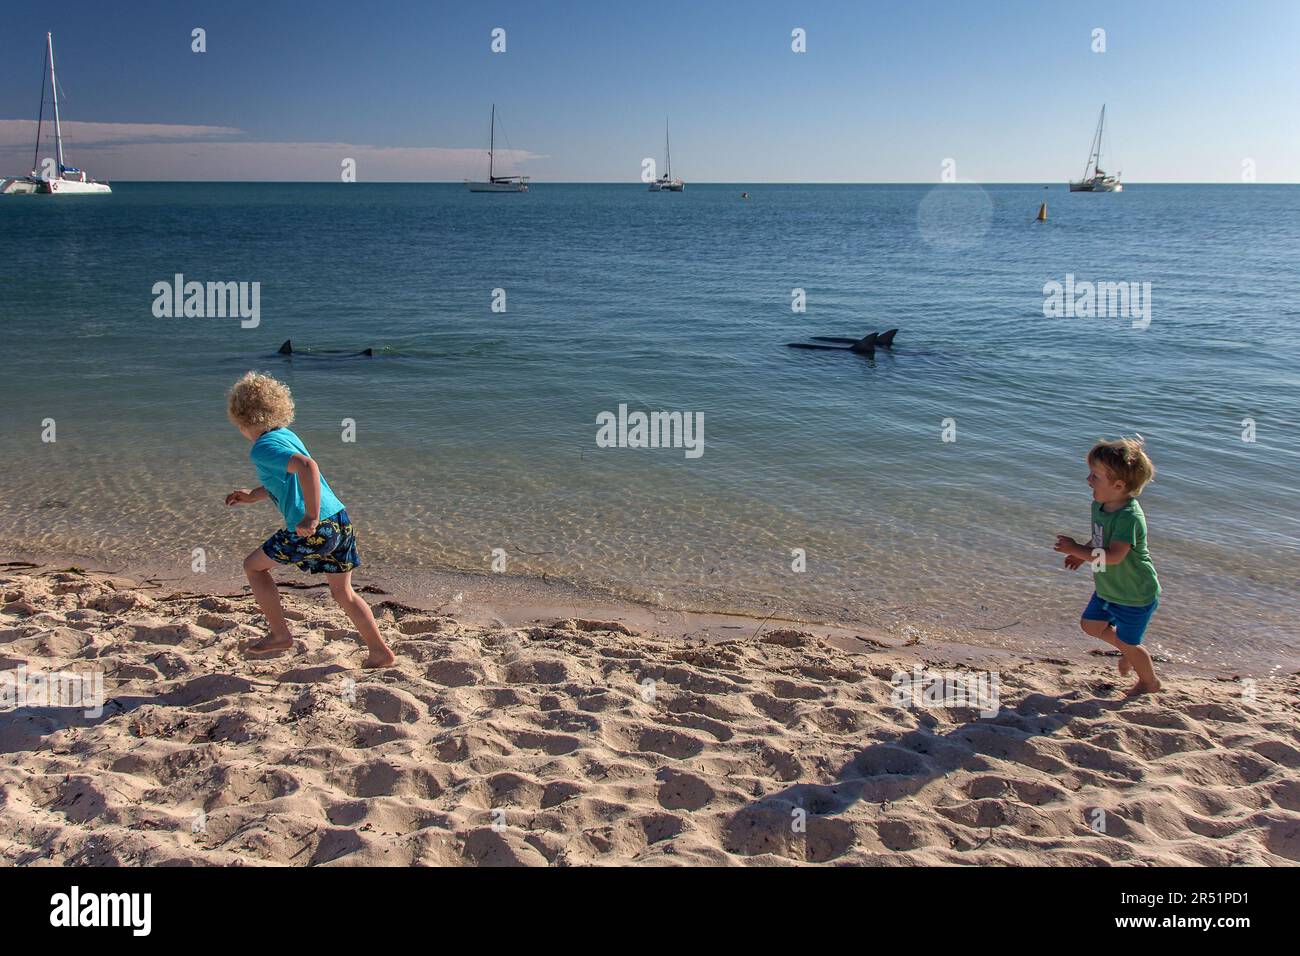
column 257, row 566
column 1105, row 631
column 1141, row 661
column 1133, row 657
column 358, row 612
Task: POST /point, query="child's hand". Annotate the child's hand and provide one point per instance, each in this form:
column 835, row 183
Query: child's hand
column 1073, row 563
column 1066, row 545
column 306, row 528
column 243, row 496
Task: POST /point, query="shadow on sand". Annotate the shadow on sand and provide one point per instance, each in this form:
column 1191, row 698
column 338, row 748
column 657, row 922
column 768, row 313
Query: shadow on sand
column 892, row 770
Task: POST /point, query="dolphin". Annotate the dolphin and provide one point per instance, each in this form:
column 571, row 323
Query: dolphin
column 866, row 345
column 287, row 349
column 885, row 340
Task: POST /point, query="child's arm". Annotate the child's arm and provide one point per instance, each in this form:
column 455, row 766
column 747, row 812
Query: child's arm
column 308, row 474
column 1113, row 553
column 246, row 497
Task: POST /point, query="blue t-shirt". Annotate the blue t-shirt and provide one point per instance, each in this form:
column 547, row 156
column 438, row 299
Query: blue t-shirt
column 271, row 453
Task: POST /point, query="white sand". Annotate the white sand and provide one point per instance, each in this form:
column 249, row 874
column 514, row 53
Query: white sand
column 542, row 745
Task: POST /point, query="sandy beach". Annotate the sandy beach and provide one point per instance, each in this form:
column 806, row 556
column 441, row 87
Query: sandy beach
column 571, row 740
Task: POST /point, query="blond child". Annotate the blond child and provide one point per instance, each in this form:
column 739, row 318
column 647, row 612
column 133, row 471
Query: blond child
column 1127, row 589
column 317, row 535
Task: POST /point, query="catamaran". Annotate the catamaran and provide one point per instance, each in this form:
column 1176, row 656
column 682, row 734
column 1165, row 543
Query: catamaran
column 63, row 179
column 495, row 183
column 1095, row 179
column 666, row 183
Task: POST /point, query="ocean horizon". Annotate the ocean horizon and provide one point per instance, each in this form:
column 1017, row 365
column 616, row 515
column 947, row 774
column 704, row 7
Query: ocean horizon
column 1034, row 183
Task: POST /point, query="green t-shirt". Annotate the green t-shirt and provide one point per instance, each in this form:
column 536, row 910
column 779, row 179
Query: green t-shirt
column 1133, row 581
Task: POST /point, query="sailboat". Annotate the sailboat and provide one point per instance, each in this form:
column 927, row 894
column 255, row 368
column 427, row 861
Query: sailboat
column 67, row 179
column 666, row 183
column 495, row 183
column 1095, row 179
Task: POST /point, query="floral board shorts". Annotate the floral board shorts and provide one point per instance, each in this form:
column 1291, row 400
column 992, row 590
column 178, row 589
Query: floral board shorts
column 330, row 549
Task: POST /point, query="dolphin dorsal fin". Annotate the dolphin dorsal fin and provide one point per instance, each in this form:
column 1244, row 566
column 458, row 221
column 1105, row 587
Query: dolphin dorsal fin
column 865, row 344
column 368, row 352
column 886, row 339
column 286, row 348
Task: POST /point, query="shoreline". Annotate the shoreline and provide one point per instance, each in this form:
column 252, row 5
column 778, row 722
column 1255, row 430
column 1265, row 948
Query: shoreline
column 514, row 600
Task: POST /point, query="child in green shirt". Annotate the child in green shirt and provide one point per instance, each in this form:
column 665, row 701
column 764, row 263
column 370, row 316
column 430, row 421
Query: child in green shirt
column 1127, row 589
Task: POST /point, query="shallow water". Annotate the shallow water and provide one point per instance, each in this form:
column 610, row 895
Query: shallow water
column 476, row 430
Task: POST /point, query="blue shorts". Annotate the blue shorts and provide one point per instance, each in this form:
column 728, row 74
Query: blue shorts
column 330, row 549
column 1130, row 622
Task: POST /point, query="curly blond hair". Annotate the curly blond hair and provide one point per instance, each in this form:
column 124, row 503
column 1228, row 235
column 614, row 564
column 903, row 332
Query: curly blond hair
column 259, row 402
column 1126, row 460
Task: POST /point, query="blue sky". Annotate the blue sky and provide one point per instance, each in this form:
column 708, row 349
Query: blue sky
column 885, row 92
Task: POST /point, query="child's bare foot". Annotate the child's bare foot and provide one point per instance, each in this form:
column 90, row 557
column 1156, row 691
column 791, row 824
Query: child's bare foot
column 382, row 658
column 269, row 645
column 1141, row 688
column 1125, row 668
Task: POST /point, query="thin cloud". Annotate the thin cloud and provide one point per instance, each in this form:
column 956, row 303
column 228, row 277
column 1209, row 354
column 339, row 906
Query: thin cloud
column 22, row 132
column 155, row 151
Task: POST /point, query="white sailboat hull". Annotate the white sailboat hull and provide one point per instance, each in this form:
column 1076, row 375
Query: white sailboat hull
column 496, row 187
column 27, row 186
column 24, row 186
column 1097, row 186
column 72, row 187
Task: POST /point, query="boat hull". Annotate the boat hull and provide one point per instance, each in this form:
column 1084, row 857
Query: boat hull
column 496, row 187
column 72, row 187
column 24, row 186
column 1096, row 187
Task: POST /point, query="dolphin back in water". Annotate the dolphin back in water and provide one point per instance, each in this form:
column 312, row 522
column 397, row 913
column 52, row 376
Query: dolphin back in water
column 866, row 345
column 287, row 349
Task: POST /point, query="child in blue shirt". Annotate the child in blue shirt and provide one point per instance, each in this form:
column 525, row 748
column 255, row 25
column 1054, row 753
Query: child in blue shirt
column 317, row 535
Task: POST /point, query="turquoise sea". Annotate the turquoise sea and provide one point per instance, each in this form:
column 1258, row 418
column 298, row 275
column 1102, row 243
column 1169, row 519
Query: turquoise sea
column 476, row 429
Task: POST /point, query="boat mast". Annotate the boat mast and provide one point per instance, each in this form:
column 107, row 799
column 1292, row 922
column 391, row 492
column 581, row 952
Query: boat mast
column 1094, row 154
column 40, row 121
column 668, row 152
column 492, row 142
column 54, row 93
column 1101, row 126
